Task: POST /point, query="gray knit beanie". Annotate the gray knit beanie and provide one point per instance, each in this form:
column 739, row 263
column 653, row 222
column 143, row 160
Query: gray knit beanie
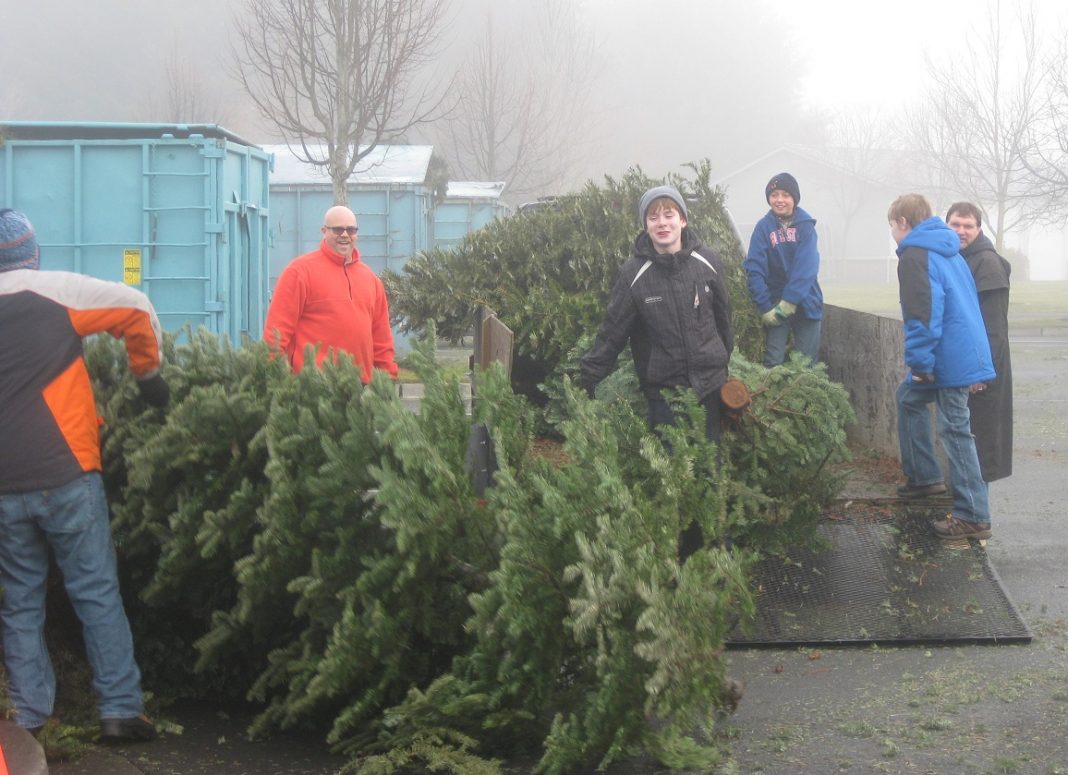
column 653, row 194
column 18, row 243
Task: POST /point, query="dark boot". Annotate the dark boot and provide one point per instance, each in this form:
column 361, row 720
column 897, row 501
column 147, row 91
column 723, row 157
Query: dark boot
column 690, row 540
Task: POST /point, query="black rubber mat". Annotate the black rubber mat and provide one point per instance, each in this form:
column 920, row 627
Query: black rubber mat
column 884, row 579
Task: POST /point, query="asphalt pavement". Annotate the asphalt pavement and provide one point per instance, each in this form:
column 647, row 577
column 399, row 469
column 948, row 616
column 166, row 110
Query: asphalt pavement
column 951, row 709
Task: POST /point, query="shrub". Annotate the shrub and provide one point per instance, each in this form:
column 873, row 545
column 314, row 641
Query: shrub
column 307, row 542
column 548, row 272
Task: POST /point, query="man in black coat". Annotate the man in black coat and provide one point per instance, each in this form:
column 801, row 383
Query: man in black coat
column 991, row 407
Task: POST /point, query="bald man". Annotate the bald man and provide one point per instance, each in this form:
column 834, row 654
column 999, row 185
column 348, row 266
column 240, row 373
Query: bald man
column 330, row 300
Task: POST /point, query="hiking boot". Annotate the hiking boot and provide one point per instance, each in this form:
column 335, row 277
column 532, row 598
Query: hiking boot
column 951, row 527
column 126, row 730
column 920, row 490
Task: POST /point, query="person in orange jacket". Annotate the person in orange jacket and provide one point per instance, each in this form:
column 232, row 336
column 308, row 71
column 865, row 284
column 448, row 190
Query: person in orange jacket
column 330, row 300
column 51, row 492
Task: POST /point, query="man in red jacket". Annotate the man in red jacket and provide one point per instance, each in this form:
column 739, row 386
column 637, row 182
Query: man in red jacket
column 330, row 300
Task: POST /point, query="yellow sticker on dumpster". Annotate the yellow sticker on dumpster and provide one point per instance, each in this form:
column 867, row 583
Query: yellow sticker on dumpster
column 131, row 266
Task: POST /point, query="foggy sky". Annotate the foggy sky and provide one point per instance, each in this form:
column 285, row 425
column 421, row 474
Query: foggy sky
column 669, row 83
column 684, row 81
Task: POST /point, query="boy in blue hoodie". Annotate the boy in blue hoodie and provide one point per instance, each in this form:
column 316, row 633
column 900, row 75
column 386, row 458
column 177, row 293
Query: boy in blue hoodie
column 781, row 268
column 948, row 357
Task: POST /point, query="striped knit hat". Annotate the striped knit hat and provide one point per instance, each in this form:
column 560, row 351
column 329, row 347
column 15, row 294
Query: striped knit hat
column 18, row 243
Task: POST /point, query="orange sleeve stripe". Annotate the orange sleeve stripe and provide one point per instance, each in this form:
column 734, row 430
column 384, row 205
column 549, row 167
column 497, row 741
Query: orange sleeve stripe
column 69, row 398
column 134, row 326
column 96, row 305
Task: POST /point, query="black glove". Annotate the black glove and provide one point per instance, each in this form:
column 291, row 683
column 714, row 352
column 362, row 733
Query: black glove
column 154, row 391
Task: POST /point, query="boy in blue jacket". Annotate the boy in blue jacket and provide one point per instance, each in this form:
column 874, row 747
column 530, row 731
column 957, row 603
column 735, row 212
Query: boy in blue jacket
column 782, row 267
column 948, row 357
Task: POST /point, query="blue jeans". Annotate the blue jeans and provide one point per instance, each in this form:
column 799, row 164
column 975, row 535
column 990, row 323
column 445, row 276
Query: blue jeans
column 916, row 441
column 73, row 521
column 806, row 339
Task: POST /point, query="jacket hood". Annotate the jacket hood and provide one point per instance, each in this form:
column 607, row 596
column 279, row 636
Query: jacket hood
column 800, row 215
column 980, row 243
column 933, row 235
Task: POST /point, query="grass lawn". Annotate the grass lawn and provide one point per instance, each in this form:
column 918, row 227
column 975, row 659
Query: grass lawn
column 1026, row 297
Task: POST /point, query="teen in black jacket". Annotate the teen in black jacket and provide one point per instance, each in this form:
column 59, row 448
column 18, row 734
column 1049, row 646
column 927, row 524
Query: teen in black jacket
column 670, row 302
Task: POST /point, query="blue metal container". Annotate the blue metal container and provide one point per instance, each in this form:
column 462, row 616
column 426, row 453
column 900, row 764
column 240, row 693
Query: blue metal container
column 468, row 206
column 178, row 211
column 388, row 193
column 394, row 205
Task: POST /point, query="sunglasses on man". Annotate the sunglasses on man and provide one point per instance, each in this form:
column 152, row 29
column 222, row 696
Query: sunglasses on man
column 339, row 230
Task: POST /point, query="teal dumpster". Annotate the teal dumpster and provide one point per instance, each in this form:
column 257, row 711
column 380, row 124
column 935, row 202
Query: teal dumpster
column 468, row 206
column 388, row 192
column 179, row 211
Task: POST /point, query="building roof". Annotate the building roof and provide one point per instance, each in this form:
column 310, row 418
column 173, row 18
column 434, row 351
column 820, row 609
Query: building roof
column 104, row 130
column 473, row 189
column 384, row 164
column 871, row 165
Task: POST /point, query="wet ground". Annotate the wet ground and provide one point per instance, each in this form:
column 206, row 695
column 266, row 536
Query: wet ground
column 970, row 709
column 212, row 741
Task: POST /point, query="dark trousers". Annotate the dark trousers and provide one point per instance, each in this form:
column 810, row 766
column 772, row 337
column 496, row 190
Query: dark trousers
column 692, row 537
column 660, row 414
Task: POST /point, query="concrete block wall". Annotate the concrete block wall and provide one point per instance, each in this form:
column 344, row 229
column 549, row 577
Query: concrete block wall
column 864, row 352
column 411, row 395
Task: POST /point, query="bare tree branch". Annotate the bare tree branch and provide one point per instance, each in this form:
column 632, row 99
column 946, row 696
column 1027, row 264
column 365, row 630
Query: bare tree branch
column 857, row 143
column 334, row 76
column 975, row 132
column 520, row 108
column 1050, row 164
column 186, row 97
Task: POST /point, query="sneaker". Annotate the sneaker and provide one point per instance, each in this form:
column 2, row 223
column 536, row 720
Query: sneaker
column 118, row 730
column 951, row 527
column 920, row 490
